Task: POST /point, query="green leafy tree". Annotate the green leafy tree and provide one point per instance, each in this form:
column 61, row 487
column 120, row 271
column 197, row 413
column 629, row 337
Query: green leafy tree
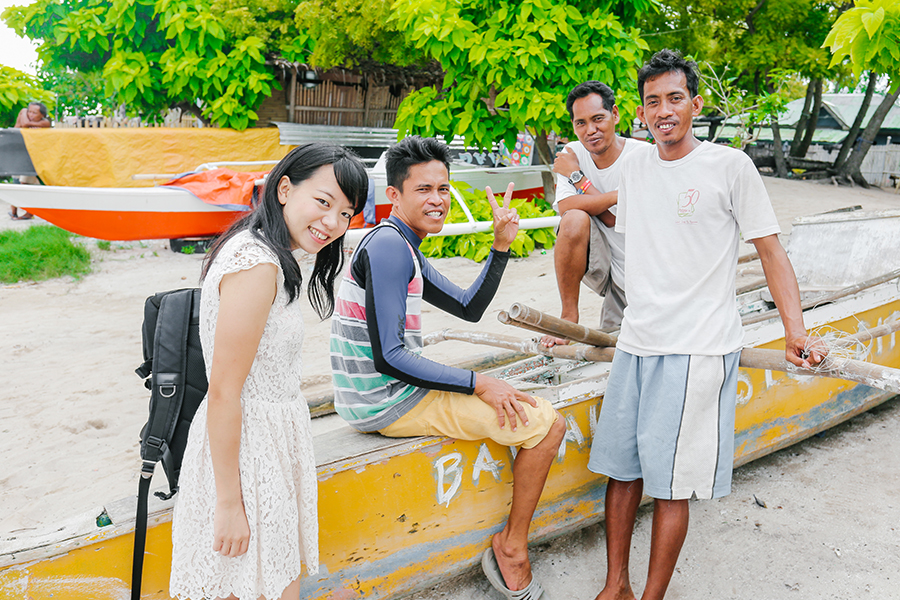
column 732, row 102
column 351, row 33
column 77, row 92
column 780, row 37
column 17, row 89
column 867, row 36
column 761, row 51
column 200, row 56
column 271, row 21
column 508, row 66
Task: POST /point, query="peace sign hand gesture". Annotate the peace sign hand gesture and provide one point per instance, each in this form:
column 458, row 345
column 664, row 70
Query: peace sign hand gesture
column 506, row 219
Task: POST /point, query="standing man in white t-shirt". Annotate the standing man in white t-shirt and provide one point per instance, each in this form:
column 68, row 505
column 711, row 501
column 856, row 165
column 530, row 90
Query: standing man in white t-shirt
column 666, row 427
column 588, row 248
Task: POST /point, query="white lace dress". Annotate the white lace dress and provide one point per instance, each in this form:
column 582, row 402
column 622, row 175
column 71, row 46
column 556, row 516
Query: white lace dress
column 278, row 470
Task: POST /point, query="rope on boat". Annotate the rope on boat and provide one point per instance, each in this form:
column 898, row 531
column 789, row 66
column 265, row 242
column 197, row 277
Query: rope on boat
column 841, row 348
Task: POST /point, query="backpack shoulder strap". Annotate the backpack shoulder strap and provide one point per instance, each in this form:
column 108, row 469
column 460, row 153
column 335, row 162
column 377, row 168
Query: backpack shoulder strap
column 140, row 537
column 168, row 378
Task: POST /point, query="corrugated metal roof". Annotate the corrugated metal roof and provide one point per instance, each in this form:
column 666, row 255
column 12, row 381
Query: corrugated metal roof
column 820, row 136
column 293, row 134
column 844, row 108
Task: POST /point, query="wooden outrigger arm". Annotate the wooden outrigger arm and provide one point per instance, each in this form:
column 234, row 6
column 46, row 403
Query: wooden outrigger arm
column 533, row 347
column 872, row 375
column 543, row 323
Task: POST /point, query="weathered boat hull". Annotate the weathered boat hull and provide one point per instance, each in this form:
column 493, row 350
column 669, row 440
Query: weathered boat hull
column 398, row 515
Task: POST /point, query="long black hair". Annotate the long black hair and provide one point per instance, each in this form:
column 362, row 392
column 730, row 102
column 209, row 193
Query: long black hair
column 266, row 221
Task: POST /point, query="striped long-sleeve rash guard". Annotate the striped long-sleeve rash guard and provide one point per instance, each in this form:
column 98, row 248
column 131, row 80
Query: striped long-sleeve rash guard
column 376, row 337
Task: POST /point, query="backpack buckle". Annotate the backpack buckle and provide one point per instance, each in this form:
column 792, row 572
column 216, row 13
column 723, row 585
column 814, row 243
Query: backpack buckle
column 167, row 383
column 147, row 469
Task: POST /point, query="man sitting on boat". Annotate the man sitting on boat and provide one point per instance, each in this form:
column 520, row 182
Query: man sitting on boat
column 666, row 427
column 588, row 249
column 383, row 384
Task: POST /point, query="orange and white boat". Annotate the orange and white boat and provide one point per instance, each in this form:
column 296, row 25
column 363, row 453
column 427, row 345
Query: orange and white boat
column 187, row 208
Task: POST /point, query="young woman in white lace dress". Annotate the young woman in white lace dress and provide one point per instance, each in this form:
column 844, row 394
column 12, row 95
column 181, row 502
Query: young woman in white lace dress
column 245, row 516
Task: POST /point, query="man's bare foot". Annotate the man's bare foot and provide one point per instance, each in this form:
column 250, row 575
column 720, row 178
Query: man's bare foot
column 548, row 341
column 514, row 564
column 609, row 593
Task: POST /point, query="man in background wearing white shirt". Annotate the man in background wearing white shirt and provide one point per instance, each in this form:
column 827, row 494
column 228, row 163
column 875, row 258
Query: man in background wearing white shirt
column 588, row 248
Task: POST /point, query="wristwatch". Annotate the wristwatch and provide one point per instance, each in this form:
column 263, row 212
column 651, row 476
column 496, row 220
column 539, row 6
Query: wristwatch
column 575, row 177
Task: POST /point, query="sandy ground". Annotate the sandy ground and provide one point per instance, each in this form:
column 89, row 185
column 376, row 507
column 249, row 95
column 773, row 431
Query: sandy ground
column 71, row 409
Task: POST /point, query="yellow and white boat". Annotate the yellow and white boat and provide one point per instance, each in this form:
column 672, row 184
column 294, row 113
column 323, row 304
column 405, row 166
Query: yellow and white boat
column 398, row 515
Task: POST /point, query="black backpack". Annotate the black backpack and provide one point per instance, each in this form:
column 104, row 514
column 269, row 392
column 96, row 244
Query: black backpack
column 174, row 372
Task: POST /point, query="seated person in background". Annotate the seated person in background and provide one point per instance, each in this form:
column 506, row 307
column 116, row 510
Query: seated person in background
column 35, row 116
column 588, row 249
column 381, row 383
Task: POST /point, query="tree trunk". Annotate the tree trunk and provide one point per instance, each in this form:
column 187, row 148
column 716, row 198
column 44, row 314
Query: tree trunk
column 190, row 107
column 853, row 134
column 800, row 127
column 778, row 150
column 850, row 170
column 546, row 158
column 813, row 121
column 777, row 145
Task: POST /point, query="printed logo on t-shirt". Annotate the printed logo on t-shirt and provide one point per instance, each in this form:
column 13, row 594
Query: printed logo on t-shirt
column 686, row 202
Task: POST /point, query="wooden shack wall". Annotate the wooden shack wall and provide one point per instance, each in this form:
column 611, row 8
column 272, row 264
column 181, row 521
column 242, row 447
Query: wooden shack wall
column 342, row 99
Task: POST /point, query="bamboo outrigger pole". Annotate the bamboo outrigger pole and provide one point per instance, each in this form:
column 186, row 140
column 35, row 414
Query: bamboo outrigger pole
column 571, row 352
column 558, row 327
column 872, row 375
column 885, row 378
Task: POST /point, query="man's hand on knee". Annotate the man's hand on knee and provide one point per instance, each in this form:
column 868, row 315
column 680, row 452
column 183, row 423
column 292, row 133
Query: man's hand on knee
column 504, row 399
column 607, row 218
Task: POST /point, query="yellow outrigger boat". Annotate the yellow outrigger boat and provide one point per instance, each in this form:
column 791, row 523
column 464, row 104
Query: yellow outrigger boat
column 397, row 515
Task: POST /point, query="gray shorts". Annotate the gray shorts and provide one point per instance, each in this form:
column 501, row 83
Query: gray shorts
column 669, row 420
column 599, row 279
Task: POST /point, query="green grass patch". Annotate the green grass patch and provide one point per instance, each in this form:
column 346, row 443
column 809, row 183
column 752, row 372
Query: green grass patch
column 41, row 252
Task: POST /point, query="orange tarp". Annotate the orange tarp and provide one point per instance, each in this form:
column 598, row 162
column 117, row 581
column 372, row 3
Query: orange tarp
column 223, row 187
column 109, row 157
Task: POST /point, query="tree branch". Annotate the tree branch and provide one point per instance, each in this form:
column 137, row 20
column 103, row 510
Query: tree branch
column 750, row 27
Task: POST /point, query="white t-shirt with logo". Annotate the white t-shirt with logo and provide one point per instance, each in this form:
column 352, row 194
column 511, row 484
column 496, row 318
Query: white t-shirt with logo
column 605, row 180
column 684, row 219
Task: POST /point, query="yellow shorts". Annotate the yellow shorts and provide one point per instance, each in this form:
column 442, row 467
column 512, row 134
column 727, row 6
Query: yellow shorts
column 465, row 417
